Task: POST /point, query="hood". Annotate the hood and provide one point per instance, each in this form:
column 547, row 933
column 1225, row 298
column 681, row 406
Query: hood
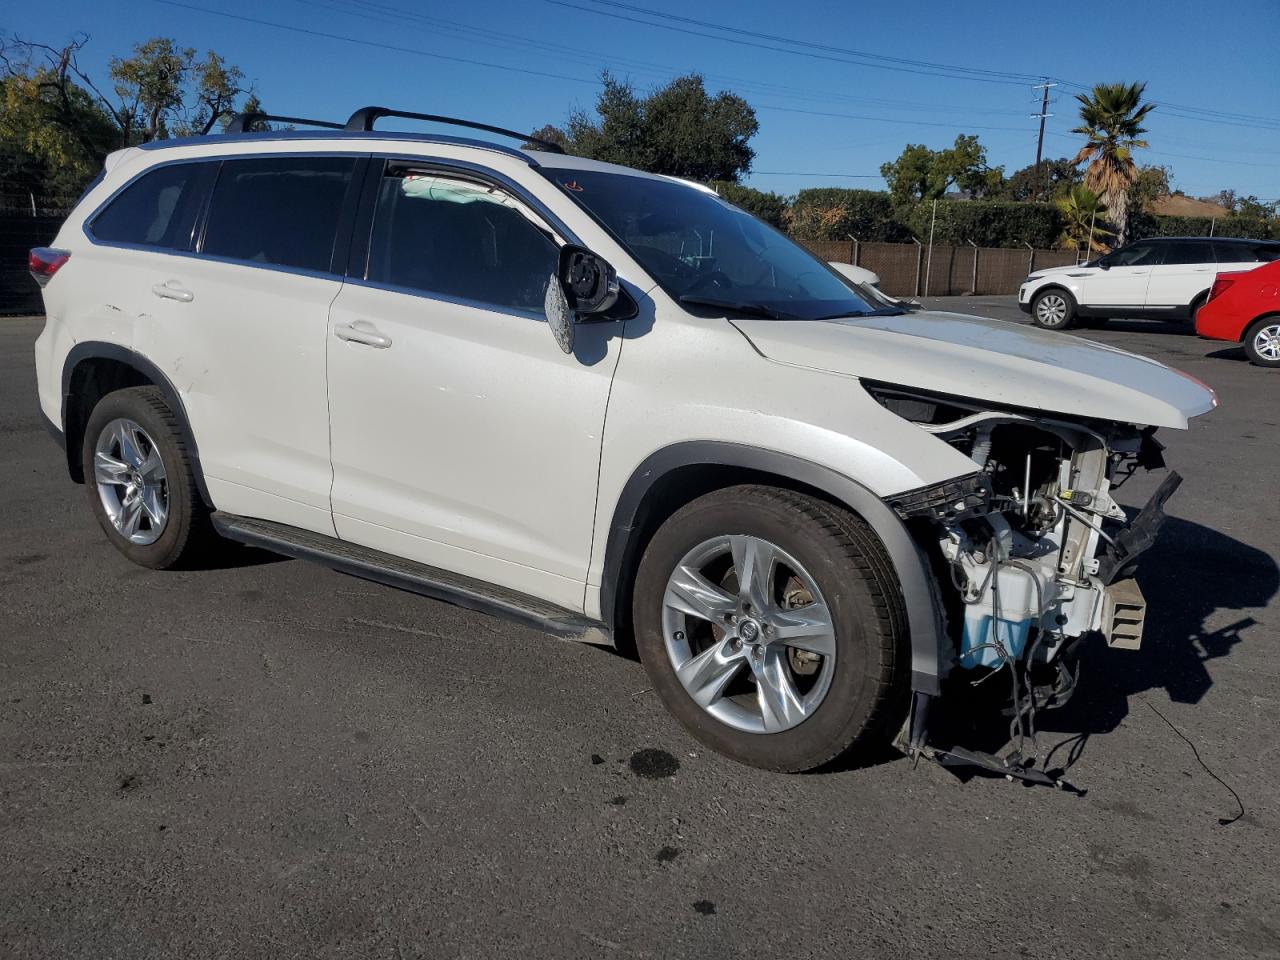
column 1080, row 270
column 1006, row 364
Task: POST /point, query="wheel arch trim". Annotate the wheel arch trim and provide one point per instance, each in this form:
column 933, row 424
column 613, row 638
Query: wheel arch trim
column 920, row 594
column 102, row 350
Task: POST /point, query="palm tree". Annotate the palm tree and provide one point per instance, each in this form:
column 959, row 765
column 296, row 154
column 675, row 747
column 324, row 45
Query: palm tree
column 1082, row 212
column 1111, row 117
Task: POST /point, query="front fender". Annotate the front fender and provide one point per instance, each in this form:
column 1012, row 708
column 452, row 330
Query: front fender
column 929, row 651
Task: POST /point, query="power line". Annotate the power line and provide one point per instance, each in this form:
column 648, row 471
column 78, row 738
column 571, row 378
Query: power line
column 875, row 59
column 882, row 61
column 850, row 58
column 376, row 44
column 482, row 35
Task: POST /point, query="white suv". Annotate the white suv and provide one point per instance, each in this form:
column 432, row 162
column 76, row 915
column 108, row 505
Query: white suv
column 603, row 403
column 1167, row 278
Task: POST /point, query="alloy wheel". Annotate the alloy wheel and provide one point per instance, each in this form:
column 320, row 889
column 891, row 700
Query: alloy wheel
column 131, row 481
column 749, row 634
column 1266, row 342
column 1051, row 310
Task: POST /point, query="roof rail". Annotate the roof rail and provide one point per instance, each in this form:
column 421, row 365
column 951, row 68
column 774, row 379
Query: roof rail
column 241, row 122
column 365, row 117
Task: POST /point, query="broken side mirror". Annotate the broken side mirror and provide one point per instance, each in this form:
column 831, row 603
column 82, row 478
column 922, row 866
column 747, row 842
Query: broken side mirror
column 584, row 284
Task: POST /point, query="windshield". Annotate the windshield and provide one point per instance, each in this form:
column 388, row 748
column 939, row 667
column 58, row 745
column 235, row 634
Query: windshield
column 706, row 252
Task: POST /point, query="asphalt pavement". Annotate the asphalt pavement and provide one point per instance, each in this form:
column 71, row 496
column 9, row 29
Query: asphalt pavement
column 274, row 760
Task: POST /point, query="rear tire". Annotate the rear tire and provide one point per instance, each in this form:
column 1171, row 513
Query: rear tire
column 830, row 587
column 140, row 482
column 1053, row 309
column 1262, row 341
column 1194, row 309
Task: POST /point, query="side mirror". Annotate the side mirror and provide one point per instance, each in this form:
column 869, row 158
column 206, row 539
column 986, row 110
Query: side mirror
column 1104, row 264
column 584, row 284
column 589, row 282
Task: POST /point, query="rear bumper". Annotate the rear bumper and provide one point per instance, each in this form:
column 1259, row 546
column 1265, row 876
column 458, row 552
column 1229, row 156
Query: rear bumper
column 1216, row 325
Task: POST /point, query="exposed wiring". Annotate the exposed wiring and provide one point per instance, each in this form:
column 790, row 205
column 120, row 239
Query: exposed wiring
column 1222, row 821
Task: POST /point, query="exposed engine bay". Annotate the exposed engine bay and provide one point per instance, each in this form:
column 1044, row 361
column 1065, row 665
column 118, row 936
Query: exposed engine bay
column 1031, row 550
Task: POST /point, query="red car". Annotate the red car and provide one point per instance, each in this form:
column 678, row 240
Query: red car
column 1245, row 308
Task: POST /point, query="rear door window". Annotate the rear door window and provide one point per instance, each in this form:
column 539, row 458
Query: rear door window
column 159, row 209
column 278, row 211
column 1188, row 251
column 455, row 237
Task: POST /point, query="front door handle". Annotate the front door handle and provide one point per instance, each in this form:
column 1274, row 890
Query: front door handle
column 361, row 331
column 173, row 291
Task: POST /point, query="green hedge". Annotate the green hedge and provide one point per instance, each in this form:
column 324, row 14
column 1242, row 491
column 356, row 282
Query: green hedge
column 988, row 223
column 1253, row 228
column 836, row 213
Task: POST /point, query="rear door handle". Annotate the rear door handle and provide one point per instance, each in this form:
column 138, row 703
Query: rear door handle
column 361, row 331
column 173, row 291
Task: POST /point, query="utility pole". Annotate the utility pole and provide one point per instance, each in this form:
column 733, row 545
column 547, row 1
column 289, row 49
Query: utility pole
column 1042, row 115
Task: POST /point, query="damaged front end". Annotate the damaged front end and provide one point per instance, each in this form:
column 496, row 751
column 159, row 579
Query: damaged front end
column 1031, row 551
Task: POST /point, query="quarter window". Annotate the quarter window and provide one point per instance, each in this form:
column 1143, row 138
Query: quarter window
column 282, row 211
column 455, row 237
column 159, row 209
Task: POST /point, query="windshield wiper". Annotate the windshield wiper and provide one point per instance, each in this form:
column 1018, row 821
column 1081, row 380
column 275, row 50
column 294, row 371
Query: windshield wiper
column 749, row 308
column 879, row 312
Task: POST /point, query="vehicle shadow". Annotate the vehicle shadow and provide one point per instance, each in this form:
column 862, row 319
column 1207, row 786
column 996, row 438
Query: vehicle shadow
column 1230, row 353
column 1200, row 585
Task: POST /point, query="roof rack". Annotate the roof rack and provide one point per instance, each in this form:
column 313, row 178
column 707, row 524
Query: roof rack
column 241, row 122
column 365, row 117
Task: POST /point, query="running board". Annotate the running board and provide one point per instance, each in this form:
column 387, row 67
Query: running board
column 417, row 578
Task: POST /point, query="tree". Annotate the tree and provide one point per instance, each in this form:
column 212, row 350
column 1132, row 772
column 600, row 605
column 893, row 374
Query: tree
column 58, row 124
column 1111, row 120
column 678, row 130
column 1082, row 212
column 1053, row 178
column 1149, row 185
column 923, row 174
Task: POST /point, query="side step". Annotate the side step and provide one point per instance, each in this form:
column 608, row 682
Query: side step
column 407, row 575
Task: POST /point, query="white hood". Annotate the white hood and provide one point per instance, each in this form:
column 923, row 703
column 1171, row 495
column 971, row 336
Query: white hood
column 1006, row 364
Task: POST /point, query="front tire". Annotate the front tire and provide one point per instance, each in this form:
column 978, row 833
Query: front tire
column 140, row 482
column 772, row 625
column 1262, row 341
column 1053, row 309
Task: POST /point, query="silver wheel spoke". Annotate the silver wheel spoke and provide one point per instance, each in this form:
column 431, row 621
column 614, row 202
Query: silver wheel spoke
column 780, row 705
column 152, row 468
column 690, row 592
column 806, row 628
column 107, row 469
column 753, row 561
column 152, row 499
column 706, row 675
column 130, row 514
column 130, row 450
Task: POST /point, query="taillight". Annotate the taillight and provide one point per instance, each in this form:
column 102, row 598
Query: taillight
column 1222, row 281
column 44, row 262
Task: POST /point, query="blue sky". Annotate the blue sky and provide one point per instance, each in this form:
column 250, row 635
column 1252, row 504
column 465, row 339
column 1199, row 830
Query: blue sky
column 819, row 113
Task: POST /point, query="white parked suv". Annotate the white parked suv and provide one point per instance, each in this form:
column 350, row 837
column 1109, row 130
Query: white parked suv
column 606, row 404
column 1166, row 278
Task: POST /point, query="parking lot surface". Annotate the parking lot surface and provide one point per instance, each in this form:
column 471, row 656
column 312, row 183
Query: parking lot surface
column 275, row 760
